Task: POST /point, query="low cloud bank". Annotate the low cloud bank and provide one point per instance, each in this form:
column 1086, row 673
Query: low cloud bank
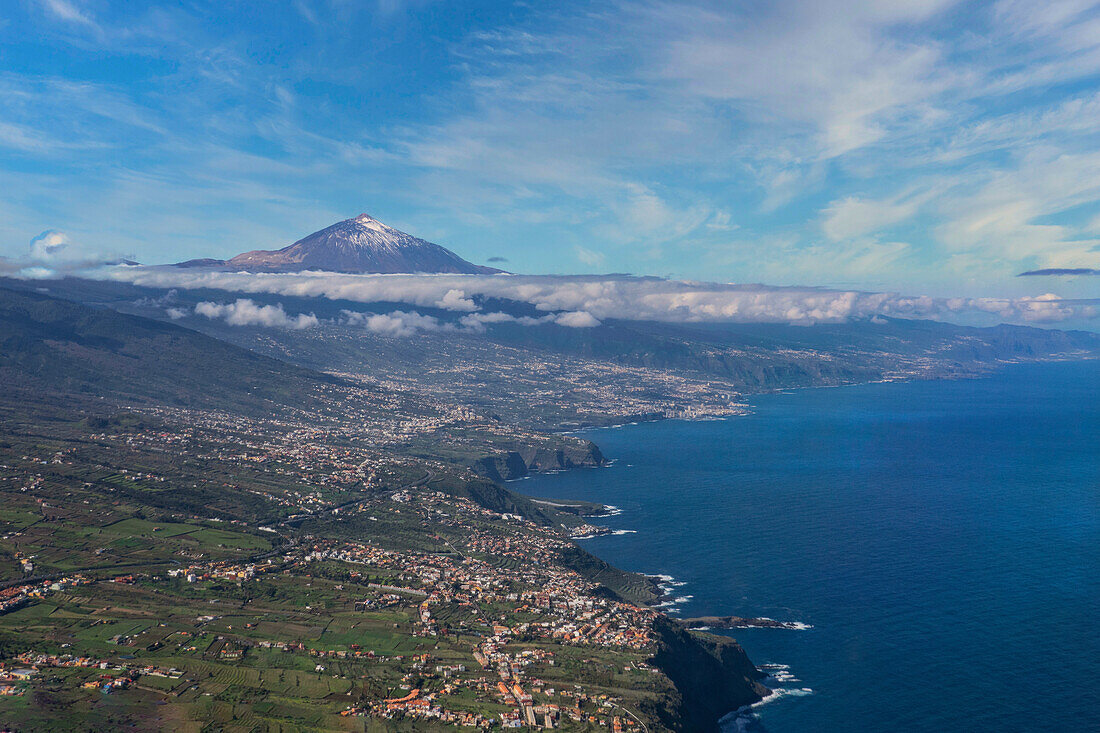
column 395, row 324
column 407, row 323
column 246, row 312
column 569, row 319
column 585, row 301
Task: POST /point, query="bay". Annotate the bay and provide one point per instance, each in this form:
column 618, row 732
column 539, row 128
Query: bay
column 941, row 538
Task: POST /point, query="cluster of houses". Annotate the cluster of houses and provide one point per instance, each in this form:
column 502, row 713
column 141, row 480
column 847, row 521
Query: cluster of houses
column 16, row 596
column 417, row 707
column 566, row 612
column 119, row 676
column 13, row 681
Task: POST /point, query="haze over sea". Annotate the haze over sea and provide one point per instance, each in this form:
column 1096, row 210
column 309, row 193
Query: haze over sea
column 942, row 538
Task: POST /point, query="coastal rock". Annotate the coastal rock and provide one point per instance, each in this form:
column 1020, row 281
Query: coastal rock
column 740, row 622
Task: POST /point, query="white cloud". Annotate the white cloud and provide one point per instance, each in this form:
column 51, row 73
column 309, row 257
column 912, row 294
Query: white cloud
column 1046, row 308
column 643, row 215
column 394, row 324
column 570, row 319
column 408, row 323
column 1008, row 214
column 69, row 12
column 456, row 300
column 53, row 253
column 476, row 321
column 246, row 312
column 35, row 273
column 604, row 297
column 836, row 68
column 588, row 257
column 24, row 139
column 576, row 319
column 48, row 244
column 855, row 217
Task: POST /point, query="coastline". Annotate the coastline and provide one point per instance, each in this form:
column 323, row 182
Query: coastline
column 1010, row 381
column 777, row 681
column 981, row 370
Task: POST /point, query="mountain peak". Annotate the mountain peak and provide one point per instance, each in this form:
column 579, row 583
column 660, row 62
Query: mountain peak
column 369, row 222
column 359, row 245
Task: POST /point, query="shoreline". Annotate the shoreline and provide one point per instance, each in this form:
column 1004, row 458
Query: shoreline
column 779, row 677
column 984, row 370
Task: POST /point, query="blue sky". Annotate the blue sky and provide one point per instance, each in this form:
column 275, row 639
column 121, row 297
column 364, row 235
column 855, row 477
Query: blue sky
column 923, row 146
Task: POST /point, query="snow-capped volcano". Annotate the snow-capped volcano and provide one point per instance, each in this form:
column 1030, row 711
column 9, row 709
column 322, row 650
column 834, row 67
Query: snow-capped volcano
column 362, row 244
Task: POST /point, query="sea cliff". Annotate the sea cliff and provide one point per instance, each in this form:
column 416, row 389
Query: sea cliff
column 526, row 459
column 712, row 677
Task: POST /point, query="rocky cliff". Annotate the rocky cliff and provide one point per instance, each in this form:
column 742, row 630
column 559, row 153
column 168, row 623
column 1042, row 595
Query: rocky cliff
column 526, row 459
column 712, row 676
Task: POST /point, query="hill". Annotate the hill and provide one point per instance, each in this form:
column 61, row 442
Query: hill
column 56, row 346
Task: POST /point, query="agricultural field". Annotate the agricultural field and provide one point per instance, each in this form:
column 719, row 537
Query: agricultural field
column 289, row 652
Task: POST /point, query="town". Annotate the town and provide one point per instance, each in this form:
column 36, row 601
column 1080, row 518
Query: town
column 505, row 606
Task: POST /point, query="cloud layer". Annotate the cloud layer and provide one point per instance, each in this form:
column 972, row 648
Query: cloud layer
column 587, row 301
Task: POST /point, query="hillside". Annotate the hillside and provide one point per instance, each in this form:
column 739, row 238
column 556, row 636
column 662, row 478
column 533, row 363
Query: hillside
column 56, row 346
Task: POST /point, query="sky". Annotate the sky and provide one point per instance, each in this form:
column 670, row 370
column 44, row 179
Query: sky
column 919, row 146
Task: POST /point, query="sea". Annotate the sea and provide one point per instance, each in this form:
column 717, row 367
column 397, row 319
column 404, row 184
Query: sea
column 940, row 539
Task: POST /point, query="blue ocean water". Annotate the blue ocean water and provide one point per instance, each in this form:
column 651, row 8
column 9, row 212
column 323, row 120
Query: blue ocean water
column 942, row 539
